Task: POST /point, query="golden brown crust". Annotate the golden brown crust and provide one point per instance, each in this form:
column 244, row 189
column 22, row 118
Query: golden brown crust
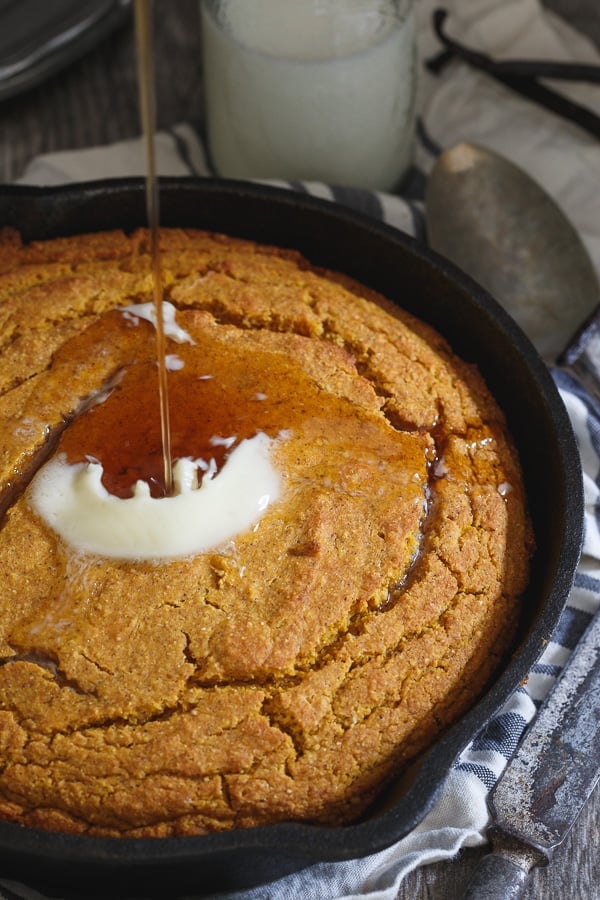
column 288, row 677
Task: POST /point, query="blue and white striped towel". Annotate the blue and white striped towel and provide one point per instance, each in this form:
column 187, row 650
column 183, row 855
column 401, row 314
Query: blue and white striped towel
column 463, row 105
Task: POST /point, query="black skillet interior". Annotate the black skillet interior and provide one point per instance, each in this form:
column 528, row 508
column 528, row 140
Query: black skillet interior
column 481, row 332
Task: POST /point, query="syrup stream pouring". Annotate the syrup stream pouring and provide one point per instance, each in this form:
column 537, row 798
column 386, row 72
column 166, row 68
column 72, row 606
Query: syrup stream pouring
column 145, row 59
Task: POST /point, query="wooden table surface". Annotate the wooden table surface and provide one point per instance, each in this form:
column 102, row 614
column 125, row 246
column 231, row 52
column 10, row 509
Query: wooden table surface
column 94, row 102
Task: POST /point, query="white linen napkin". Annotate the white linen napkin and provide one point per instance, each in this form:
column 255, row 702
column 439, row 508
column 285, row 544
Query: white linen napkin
column 460, row 104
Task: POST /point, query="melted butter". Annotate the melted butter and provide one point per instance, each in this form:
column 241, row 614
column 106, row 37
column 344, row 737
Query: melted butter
column 147, row 311
column 76, row 505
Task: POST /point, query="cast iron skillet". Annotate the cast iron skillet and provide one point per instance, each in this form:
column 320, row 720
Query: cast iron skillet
column 481, row 332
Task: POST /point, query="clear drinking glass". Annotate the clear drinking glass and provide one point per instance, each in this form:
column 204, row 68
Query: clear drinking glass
column 310, row 89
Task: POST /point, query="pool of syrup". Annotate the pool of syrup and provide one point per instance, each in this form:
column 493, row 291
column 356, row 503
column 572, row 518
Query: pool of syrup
column 224, row 392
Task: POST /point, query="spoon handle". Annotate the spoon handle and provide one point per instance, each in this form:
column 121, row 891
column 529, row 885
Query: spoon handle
column 497, row 878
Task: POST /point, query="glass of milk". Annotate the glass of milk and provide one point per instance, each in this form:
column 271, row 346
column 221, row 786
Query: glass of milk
column 320, row 90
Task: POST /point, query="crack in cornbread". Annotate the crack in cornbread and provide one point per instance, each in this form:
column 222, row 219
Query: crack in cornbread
column 292, row 673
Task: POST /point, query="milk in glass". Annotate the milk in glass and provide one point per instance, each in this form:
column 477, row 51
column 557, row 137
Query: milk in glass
column 310, row 89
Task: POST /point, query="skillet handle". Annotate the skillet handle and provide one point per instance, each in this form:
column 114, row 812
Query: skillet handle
column 497, row 878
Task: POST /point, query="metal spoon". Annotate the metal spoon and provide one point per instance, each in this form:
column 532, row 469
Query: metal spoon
column 498, row 225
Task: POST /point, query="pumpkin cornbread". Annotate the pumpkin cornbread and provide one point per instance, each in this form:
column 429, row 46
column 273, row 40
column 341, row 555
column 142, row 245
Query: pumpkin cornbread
column 292, row 672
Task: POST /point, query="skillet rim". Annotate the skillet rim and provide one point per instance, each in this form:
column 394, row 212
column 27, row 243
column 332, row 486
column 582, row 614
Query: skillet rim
column 304, row 843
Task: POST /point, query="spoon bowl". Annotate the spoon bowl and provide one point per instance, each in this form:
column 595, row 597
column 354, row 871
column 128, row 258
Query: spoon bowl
column 497, row 224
